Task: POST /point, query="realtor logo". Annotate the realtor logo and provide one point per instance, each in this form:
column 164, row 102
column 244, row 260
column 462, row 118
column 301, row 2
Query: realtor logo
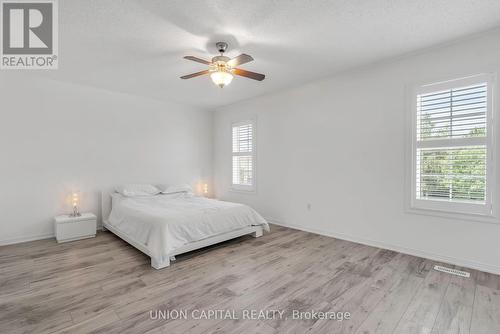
column 29, row 34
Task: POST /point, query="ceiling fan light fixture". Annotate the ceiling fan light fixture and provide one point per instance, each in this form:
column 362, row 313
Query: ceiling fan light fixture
column 221, row 78
column 222, row 69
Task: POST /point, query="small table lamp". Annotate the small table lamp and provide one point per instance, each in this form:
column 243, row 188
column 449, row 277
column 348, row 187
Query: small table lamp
column 75, row 199
column 205, row 189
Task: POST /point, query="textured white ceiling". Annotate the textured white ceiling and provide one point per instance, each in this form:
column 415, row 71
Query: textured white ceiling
column 137, row 46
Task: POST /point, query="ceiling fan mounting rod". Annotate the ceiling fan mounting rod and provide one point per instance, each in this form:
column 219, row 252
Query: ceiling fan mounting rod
column 221, row 46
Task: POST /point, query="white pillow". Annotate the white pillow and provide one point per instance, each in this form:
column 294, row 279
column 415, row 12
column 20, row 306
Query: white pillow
column 177, row 195
column 137, row 190
column 178, row 188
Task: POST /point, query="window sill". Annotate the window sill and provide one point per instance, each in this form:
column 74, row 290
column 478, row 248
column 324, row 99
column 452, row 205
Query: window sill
column 476, row 217
column 243, row 190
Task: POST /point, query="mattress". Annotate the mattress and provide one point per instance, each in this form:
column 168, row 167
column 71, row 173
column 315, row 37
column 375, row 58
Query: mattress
column 164, row 223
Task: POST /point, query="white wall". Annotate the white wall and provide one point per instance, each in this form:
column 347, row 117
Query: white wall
column 340, row 144
column 59, row 137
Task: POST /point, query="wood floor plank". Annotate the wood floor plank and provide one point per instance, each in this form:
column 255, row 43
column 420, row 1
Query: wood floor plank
column 362, row 304
column 91, row 324
column 456, row 309
column 244, row 326
column 425, row 305
column 486, row 312
column 386, row 315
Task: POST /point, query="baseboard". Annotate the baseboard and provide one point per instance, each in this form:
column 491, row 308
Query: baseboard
column 493, row 269
column 19, row 240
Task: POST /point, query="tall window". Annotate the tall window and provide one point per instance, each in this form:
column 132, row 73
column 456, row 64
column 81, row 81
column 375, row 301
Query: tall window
column 243, row 156
column 452, row 146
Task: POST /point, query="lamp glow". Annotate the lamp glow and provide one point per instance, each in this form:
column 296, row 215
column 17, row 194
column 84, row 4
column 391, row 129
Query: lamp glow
column 221, row 78
column 75, row 200
column 205, row 189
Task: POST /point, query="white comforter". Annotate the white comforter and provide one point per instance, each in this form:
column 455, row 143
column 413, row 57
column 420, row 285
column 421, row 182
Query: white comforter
column 163, row 223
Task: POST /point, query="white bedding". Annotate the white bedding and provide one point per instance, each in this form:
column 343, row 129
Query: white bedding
column 163, row 223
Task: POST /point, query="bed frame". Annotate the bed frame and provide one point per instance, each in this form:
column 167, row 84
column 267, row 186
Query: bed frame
column 106, row 203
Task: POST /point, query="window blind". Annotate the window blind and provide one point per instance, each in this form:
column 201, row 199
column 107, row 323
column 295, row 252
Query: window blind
column 243, row 154
column 453, row 113
column 451, row 146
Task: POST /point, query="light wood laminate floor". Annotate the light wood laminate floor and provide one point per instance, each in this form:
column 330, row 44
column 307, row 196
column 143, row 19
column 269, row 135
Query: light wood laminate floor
column 103, row 285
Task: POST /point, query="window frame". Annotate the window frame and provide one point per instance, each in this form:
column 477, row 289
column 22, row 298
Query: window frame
column 443, row 206
column 241, row 187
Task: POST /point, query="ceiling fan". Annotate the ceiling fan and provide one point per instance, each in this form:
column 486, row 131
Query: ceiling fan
column 222, row 68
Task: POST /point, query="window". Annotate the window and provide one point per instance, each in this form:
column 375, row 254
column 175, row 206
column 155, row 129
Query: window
column 243, row 156
column 452, row 154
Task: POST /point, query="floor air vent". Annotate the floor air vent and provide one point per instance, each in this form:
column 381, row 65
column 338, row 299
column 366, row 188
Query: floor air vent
column 452, row 271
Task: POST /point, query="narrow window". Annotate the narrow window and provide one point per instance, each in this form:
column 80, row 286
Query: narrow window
column 243, row 171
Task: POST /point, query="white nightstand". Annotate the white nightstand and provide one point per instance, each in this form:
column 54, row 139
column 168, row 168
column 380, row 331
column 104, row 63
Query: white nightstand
column 75, row 228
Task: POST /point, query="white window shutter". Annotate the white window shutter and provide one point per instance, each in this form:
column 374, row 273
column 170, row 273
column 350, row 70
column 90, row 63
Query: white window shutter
column 451, row 146
column 243, row 174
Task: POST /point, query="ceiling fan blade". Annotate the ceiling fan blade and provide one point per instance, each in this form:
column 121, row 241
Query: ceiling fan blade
column 192, row 75
column 241, row 59
column 198, row 60
column 248, row 74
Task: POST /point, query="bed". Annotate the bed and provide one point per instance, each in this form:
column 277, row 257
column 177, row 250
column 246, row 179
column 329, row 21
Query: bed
column 165, row 225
